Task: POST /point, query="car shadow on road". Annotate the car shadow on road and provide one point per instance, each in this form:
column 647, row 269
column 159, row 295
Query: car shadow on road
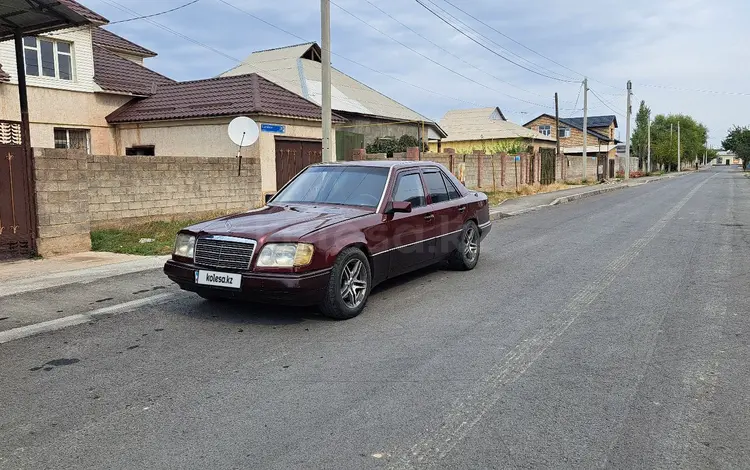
column 249, row 313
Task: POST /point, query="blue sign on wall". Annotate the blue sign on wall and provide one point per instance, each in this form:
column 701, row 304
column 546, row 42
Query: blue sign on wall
column 275, row 128
column 518, row 158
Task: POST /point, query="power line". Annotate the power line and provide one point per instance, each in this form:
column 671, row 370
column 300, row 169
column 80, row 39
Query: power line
column 519, row 43
column 456, row 19
column 490, row 49
column 268, row 23
column 694, row 90
column 281, row 79
column 605, row 103
column 156, row 14
column 431, row 59
column 575, row 107
column 447, row 51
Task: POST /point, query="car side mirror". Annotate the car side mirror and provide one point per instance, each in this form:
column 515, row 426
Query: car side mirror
column 398, row 206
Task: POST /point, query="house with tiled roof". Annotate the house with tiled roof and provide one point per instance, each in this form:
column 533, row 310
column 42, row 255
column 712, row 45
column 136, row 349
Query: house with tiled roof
column 191, row 119
column 600, row 142
column 370, row 114
column 488, row 130
column 76, row 77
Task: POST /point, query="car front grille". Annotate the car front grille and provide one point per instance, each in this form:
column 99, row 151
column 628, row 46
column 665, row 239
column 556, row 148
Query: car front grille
column 224, row 252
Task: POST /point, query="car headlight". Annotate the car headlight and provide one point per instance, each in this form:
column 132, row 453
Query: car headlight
column 184, row 245
column 285, row 255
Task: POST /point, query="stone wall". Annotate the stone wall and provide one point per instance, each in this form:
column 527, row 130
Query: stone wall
column 77, row 192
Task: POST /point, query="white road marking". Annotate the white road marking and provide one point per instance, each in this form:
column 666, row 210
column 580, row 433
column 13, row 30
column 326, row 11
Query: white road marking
column 71, row 320
column 435, row 444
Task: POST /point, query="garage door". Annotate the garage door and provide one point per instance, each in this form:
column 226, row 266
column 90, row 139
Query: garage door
column 292, row 156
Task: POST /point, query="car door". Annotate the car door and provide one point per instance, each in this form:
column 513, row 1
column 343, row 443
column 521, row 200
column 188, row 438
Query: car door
column 448, row 212
column 407, row 232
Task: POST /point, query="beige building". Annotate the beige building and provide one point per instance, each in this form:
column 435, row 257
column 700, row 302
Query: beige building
column 191, row 119
column 370, row 114
column 75, row 78
column 486, row 129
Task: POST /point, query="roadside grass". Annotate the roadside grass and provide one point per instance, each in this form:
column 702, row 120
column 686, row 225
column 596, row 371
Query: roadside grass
column 126, row 238
column 497, row 197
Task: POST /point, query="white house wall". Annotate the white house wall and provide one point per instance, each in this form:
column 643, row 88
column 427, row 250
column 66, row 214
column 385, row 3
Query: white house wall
column 83, row 62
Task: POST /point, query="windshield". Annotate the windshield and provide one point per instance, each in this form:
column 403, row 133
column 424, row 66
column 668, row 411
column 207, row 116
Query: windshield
column 330, row 184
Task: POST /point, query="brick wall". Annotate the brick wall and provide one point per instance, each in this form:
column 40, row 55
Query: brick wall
column 77, row 192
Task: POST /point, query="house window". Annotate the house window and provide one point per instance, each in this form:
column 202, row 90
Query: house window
column 563, row 132
column 141, row 150
column 545, row 130
column 48, row 58
column 72, row 139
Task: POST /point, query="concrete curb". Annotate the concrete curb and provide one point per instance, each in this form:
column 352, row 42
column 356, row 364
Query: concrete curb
column 497, row 215
column 82, row 276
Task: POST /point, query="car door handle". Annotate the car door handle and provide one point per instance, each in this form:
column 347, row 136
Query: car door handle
column 462, row 209
column 429, row 216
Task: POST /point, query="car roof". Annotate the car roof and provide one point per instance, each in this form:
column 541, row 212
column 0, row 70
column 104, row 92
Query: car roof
column 382, row 163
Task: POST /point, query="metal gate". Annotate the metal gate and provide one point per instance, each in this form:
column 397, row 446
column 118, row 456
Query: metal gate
column 548, row 166
column 16, row 208
column 292, row 156
column 346, row 142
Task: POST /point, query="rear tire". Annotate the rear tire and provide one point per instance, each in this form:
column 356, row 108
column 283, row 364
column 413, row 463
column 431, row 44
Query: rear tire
column 348, row 287
column 466, row 256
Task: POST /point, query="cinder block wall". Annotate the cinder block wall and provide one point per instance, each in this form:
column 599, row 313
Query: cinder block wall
column 123, row 189
column 77, row 192
column 62, row 201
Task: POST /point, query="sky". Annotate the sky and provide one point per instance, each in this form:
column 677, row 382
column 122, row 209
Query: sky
column 669, row 49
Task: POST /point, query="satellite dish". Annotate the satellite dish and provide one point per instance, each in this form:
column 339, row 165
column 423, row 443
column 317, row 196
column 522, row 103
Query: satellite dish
column 243, row 131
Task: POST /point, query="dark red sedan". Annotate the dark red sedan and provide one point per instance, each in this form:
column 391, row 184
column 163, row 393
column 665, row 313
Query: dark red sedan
column 333, row 233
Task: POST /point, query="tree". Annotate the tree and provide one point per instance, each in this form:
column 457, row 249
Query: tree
column 738, row 141
column 389, row 146
column 639, row 140
column 693, row 136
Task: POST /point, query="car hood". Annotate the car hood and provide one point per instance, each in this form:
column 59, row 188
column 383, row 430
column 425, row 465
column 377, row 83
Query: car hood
column 279, row 223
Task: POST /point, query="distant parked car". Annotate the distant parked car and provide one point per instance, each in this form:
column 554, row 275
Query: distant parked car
column 333, row 233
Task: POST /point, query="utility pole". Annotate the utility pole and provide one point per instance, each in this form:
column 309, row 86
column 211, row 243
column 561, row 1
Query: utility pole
column 585, row 121
column 679, row 168
column 627, row 132
column 671, row 132
column 557, row 129
column 648, row 168
column 325, row 27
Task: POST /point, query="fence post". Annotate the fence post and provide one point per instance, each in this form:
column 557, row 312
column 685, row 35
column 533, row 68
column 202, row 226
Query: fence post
column 451, row 159
column 480, row 166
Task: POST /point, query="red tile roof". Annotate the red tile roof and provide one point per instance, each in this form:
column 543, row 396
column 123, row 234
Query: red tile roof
column 4, row 77
column 83, row 11
column 222, row 96
column 113, row 73
column 113, row 42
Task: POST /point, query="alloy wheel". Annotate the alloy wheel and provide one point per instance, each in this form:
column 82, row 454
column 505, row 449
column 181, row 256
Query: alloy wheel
column 353, row 283
column 471, row 245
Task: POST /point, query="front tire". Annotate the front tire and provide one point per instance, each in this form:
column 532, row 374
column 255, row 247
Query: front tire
column 466, row 256
column 349, row 285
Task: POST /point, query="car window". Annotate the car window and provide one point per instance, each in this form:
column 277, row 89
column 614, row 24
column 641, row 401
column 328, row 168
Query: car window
column 331, row 184
column 409, row 189
column 436, row 186
column 452, row 191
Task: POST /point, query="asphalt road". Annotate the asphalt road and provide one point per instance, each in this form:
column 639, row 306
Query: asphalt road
column 610, row 332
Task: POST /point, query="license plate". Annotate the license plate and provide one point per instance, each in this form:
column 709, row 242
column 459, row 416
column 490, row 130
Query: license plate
column 212, row 278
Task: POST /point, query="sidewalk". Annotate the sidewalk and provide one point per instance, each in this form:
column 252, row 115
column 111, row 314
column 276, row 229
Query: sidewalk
column 36, row 274
column 525, row 204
